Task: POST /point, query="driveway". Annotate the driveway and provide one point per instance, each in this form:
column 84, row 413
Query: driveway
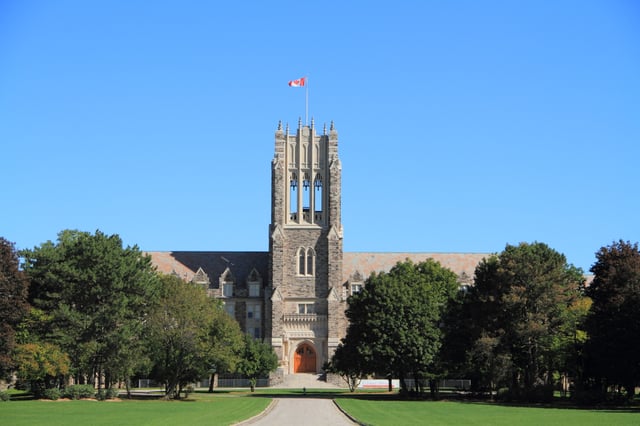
column 297, row 411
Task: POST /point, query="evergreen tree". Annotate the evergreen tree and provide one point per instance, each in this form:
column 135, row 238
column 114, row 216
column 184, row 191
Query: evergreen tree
column 95, row 295
column 520, row 308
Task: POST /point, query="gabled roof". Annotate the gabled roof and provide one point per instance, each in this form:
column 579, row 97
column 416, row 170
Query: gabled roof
column 186, row 264
column 462, row 264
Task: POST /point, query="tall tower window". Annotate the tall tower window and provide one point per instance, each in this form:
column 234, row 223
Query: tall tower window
column 317, row 199
column 302, row 260
column 306, row 259
column 293, row 196
column 306, row 184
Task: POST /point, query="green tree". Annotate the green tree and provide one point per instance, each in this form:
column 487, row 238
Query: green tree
column 520, row 308
column 613, row 324
column 348, row 364
column 97, row 295
column 42, row 364
column 395, row 321
column 189, row 333
column 258, row 360
column 13, row 302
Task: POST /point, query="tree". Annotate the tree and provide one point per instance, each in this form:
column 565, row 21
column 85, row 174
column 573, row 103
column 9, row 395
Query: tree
column 13, row 302
column 395, row 321
column 520, row 307
column 43, row 364
column 347, row 363
column 189, row 333
column 613, row 323
column 258, row 360
column 97, row 295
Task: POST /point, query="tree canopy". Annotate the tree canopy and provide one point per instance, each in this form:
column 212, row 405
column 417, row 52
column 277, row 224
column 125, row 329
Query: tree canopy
column 519, row 309
column 189, row 334
column 613, row 323
column 13, row 302
column 96, row 295
column 395, row 320
column 258, row 360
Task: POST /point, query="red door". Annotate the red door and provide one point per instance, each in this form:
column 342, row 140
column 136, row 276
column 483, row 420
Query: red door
column 304, row 360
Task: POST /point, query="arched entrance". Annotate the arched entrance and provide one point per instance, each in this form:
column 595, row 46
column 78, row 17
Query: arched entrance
column 304, row 360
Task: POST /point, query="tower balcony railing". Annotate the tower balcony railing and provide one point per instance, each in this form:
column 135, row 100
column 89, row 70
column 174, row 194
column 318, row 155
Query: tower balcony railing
column 306, row 216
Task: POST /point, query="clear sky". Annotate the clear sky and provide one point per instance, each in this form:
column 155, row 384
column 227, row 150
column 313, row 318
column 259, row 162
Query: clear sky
column 463, row 125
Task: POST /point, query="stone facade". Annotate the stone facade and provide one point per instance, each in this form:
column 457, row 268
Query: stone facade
column 294, row 296
column 305, row 303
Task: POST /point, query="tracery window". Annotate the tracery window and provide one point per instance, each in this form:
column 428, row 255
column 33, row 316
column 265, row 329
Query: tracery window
column 306, row 259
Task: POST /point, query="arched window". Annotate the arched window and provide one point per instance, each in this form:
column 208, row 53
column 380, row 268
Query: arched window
column 302, row 261
column 307, row 193
column 311, row 261
column 293, row 195
column 306, row 259
column 317, row 198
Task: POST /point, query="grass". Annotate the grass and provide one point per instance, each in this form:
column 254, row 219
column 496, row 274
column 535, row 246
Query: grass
column 234, row 405
column 373, row 411
column 199, row 409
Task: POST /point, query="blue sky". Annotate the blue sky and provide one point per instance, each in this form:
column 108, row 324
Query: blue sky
column 463, row 125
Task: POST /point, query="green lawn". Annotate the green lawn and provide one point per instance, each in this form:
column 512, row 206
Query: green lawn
column 201, row 410
column 231, row 406
column 427, row 413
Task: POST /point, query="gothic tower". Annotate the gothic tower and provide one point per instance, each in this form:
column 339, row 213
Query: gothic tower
column 304, row 302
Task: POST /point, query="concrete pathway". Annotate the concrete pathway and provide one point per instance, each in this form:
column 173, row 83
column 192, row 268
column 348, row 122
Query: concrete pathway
column 297, row 411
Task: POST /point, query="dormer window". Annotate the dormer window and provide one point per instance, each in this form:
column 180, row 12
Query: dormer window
column 254, row 290
column 227, row 282
column 254, row 283
column 227, row 289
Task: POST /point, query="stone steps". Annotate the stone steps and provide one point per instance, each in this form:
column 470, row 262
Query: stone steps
column 304, row 380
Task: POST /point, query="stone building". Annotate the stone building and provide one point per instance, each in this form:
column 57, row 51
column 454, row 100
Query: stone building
column 294, row 296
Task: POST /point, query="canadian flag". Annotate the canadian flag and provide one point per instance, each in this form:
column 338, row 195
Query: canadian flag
column 298, row 83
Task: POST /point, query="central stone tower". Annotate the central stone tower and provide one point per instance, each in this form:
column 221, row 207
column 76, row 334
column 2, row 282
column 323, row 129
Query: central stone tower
column 305, row 300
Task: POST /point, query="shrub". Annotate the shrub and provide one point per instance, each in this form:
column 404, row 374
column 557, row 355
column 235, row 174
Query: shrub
column 112, row 393
column 52, row 394
column 189, row 389
column 503, row 394
column 4, row 396
column 79, row 391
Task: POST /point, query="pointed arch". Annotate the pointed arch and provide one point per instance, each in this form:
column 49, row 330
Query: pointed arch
column 254, row 283
column 301, row 257
column 293, row 195
column 227, row 283
column 311, row 261
column 318, row 201
column 305, row 261
column 304, row 358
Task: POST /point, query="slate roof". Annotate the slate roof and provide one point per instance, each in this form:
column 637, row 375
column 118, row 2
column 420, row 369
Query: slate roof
column 463, row 264
column 186, row 263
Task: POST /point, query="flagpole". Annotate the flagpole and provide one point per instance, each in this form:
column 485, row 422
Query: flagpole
column 306, row 102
